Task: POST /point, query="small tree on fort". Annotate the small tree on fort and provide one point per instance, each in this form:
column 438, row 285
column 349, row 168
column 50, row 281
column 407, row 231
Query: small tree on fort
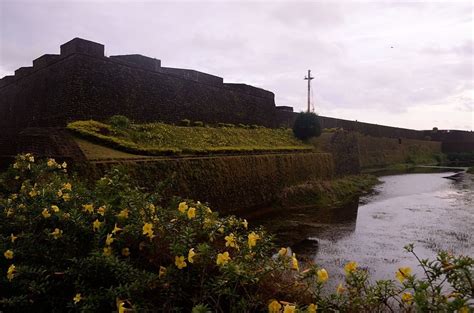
column 306, row 126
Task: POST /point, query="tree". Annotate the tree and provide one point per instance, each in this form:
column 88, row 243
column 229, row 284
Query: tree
column 307, row 125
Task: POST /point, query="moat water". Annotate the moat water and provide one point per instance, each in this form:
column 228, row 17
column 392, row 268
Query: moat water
column 429, row 210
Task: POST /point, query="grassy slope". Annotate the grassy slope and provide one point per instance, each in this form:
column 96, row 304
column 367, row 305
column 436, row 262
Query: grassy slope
column 165, row 139
column 333, row 193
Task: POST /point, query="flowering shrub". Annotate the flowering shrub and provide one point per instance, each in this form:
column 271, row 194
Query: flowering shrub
column 71, row 245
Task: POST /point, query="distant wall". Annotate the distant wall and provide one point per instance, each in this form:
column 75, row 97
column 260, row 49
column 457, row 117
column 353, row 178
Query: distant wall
column 378, row 151
column 344, row 148
column 230, row 183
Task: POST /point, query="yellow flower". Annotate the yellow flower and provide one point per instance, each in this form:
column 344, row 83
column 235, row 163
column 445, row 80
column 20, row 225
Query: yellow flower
column 221, row 230
column 123, row 213
column 125, row 251
column 55, row 208
column 191, row 213
column 282, row 252
column 46, row 213
column 148, row 230
column 33, row 193
column 312, row 308
column 350, row 267
column 89, row 208
column 116, row 229
column 77, row 298
column 252, row 239
column 57, row 233
column 323, row 275
column 13, row 237
column 60, row 193
column 101, row 210
column 403, row 273
column 464, row 309
column 8, row 254
column 107, row 251
column 162, row 272
column 51, row 163
column 152, row 208
column 9, row 212
column 109, row 239
column 191, row 254
column 180, row 262
column 274, row 307
column 230, row 241
column 294, row 262
column 407, row 297
column 67, row 186
column 208, row 210
column 66, row 197
column 11, row 272
column 289, row 309
column 120, row 306
column 31, row 158
column 223, row 258
column 245, row 223
column 340, row 289
column 64, row 165
column 96, row 225
column 182, row 207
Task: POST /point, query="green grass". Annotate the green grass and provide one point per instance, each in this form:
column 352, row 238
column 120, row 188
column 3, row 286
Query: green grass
column 165, row 139
column 328, row 194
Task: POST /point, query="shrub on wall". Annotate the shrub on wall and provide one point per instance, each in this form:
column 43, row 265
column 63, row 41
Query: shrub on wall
column 184, row 122
column 306, row 125
column 198, row 124
column 119, row 121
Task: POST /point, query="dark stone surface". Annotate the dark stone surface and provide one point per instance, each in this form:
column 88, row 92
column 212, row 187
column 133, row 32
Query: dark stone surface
column 79, row 45
column 139, row 61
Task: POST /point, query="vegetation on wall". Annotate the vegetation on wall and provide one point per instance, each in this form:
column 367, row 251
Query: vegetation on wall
column 110, row 247
column 306, row 126
column 229, row 182
column 165, row 139
column 324, row 194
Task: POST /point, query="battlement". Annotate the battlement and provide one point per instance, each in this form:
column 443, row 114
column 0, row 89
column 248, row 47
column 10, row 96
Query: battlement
column 139, row 60
column 79, row 45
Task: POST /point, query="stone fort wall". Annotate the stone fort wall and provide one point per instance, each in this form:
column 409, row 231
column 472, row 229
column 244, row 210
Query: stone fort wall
column 82, row 83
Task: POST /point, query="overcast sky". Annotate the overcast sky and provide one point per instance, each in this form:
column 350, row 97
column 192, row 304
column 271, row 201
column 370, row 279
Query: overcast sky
column 407, row 64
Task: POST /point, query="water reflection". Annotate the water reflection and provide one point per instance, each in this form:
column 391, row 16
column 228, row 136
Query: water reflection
column 429, row 210
column 302, row 227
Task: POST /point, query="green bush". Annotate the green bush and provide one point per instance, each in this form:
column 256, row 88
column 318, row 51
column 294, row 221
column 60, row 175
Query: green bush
column 306, row 126
column 198, row 124
column 184, row 122
column 119, row 121
column 106, row 246
column 225, row 125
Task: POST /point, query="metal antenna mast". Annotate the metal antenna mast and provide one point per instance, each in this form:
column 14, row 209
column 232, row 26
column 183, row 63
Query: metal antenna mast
column 309, row 78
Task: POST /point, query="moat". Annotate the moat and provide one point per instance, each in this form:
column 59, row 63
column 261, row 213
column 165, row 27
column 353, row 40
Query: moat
column 429, row 210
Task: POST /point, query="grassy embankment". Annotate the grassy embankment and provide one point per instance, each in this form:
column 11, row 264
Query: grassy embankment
column 164, row 139
column 326, row 194
column 106, row 141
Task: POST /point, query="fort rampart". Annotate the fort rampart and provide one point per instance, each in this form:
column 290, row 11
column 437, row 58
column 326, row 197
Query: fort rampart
column 82, row 83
